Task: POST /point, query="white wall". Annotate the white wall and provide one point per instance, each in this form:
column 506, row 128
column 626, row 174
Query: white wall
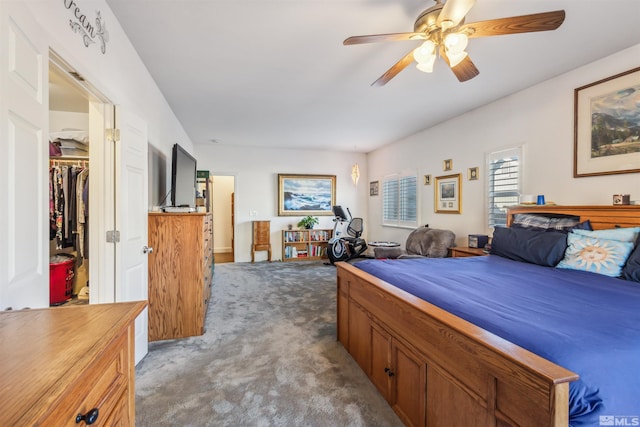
column 540, row 117
column 256, row 171
column 59, row 120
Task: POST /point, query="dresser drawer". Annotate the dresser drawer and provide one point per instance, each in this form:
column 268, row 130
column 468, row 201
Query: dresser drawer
column 120, row 415
column 103, row 386
column 207, row 224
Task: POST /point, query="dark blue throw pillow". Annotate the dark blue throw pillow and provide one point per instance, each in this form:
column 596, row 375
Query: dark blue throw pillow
column 532, row 246
column 631, row 270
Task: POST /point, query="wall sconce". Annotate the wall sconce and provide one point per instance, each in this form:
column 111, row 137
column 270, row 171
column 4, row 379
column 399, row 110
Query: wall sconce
column 355, row 173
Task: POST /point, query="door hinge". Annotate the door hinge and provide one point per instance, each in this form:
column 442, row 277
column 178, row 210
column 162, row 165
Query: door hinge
column 112, row 134
column 113, row 236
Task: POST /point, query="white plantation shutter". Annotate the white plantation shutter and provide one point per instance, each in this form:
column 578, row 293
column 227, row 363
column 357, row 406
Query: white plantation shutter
column 400, row 200
column 390, row 206
column 504, row 174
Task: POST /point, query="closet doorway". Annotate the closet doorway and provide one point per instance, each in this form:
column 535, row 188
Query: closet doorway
column 78, row 117
column 223, row 218
column 111, row 252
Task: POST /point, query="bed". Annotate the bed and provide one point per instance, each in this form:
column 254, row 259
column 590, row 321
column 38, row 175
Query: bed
column 492, row 341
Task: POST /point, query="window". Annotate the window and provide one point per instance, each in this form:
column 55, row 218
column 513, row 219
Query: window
column 400, row 200
column 504, row 183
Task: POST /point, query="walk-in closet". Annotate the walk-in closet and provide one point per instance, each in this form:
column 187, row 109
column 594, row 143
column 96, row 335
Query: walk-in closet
column 72, row 113
column 69, row 173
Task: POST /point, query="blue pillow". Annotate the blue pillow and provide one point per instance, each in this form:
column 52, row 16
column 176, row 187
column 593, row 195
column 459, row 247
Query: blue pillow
column 544, row 248
column 631, row 270
column 584, row 225
column 596, row 254
column 623, row 234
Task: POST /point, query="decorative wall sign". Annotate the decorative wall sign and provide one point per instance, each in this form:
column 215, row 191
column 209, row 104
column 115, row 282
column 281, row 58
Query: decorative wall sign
column 82, row 25
column 606, row 123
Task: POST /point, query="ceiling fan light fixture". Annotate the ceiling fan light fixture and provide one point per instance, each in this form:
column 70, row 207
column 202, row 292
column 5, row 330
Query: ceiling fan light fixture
column 426, row 67
column 456, row 58
column 425, row 52
column 456, row 42
column 446, row 34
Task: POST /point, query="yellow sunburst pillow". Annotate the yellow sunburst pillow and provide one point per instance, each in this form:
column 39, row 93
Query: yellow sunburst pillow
column 601, row 251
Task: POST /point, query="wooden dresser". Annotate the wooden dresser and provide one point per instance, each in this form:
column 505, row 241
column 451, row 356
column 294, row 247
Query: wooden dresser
column 180, row 273
column 57, row 364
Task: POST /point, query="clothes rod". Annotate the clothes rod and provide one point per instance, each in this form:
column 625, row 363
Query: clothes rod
column 68, row 161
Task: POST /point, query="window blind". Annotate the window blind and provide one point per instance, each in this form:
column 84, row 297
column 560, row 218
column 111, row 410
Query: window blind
column 400, row 200
column 504, row 176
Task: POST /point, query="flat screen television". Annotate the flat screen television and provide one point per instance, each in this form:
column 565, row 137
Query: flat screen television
column 183, row 178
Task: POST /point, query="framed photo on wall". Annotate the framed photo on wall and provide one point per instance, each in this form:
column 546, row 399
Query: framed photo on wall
column 474, row 174
column 302, row 195
column 374, row 188
column 606, row 123
column 448, row 194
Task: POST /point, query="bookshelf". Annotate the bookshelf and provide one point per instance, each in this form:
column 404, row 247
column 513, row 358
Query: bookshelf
column 305, row 245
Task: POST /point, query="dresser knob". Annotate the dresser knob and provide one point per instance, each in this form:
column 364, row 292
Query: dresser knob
column 89, row 418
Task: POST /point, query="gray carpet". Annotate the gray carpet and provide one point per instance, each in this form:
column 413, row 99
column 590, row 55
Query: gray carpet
column 269, row 357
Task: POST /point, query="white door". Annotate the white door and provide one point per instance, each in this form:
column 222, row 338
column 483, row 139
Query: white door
column 131, row 219
column 24, row 190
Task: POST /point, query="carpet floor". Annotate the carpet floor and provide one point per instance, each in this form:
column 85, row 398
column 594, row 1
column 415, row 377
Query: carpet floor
column 269, row 357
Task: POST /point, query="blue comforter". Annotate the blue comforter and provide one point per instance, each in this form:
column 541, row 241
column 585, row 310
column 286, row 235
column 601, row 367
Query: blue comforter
column 585, row 322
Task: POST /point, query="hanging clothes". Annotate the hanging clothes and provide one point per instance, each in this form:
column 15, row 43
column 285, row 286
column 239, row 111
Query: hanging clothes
column 68, row 202
column 81, row 211
column 58, row 204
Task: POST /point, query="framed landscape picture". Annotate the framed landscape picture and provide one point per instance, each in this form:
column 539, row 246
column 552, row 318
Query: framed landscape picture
column 607, row 126
column 302, row 195
column 448, row 194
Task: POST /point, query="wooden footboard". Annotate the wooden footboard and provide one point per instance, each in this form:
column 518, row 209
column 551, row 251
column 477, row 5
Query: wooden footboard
column 436, row 369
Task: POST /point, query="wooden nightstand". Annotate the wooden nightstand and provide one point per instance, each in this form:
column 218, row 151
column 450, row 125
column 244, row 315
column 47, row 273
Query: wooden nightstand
column 464, row 251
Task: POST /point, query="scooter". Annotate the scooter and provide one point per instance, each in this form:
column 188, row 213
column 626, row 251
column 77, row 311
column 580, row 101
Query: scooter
column 345, row 244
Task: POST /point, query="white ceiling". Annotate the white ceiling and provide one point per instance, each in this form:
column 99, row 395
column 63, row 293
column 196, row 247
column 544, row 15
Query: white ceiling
column 274, row 73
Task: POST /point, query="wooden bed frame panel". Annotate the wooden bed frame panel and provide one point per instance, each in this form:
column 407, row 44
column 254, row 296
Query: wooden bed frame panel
column 473, row 377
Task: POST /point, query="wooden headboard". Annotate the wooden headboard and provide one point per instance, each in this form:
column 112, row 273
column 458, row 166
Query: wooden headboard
column 601, row 216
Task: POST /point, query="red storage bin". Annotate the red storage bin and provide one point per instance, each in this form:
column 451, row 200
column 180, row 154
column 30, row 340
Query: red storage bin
column 61, row 274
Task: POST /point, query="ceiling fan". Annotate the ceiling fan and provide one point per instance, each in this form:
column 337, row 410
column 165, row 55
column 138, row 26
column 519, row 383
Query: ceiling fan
column 444, row 32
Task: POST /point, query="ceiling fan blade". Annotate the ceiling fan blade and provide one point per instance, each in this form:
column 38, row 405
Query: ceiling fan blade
column 545, row 21
column 455, row 11
column 393, row 71
column 465, row 70
column 375, row 38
